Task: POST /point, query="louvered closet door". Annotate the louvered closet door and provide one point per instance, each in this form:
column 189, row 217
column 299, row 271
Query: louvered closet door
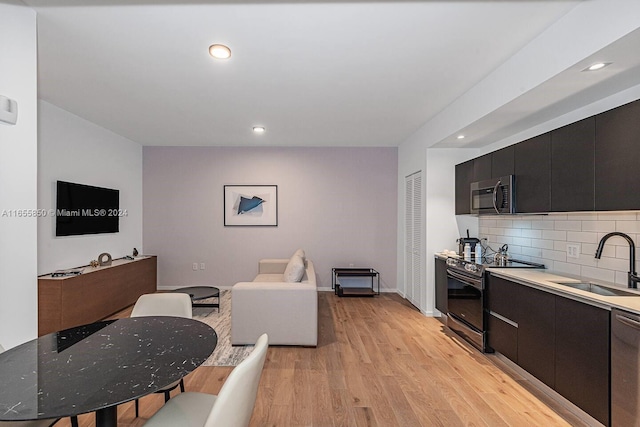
column 413, row 235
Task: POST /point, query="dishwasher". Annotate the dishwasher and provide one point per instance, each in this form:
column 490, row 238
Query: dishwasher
column 625, row 368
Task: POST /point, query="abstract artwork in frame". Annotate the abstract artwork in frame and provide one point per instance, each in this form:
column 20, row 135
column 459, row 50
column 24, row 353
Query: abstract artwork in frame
column 253, row 205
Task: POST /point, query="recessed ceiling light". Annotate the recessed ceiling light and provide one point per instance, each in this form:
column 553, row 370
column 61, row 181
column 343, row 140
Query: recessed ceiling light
column 460, row 136
column 258, row 129
column 597, row 66
column 219, row 51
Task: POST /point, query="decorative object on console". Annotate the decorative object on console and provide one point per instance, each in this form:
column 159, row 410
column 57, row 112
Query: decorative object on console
column 68, row 272
column 104, row 259
column 94, row 263
column 135, row 252
column 253, row 205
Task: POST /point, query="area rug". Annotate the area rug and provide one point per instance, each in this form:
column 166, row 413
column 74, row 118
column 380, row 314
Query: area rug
column 220, row 320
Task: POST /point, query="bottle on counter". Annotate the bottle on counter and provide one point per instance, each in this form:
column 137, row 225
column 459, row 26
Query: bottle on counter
column 478, row 253
column 467, row 252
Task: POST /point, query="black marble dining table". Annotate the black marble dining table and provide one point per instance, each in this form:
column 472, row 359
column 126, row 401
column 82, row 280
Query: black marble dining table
column 96, row 367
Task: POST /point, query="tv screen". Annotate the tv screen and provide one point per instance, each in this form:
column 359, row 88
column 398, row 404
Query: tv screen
column 84, row 209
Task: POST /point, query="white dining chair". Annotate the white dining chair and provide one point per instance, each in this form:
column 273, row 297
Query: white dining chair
column 34, row 423
column 163, row 304
column 232, row 407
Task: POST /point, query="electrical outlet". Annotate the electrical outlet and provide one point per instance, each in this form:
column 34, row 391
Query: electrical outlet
column 202, row 266
column 195, row 266
column 573, row 251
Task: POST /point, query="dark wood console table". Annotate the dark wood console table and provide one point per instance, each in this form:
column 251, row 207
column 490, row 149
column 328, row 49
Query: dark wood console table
column 69, row 301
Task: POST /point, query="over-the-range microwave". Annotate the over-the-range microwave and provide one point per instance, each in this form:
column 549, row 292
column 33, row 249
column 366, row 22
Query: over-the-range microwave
column 494, row 196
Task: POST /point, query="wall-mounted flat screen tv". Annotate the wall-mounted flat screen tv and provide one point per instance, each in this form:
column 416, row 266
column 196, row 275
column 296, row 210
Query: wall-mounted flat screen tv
column 84, row 209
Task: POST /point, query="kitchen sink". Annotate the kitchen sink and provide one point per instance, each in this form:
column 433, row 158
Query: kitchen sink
column 597, row 289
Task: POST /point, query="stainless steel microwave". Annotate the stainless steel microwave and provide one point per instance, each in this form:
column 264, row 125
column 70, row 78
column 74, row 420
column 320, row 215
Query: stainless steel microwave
column 494, row 196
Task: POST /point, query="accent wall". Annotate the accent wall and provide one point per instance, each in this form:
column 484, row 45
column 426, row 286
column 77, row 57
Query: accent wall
column 338, row 204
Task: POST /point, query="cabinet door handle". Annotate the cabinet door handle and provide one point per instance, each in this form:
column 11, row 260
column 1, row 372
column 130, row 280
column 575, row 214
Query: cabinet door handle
column 628, row 321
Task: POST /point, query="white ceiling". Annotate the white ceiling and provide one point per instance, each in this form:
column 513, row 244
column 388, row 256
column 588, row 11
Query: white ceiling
column 313, row 73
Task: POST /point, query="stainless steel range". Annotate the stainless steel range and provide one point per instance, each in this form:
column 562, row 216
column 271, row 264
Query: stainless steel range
column 466, row 297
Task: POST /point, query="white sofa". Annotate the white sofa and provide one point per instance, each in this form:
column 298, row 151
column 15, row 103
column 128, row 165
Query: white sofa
column 287, row 312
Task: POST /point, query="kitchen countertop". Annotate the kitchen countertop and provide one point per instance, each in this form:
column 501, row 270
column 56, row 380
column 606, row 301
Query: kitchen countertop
column 544, row 280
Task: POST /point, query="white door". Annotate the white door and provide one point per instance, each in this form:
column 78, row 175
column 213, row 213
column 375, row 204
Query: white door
column 413, row 239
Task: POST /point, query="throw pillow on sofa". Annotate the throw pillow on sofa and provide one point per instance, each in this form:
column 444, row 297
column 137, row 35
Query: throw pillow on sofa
column 295, row 269
column 300, row 253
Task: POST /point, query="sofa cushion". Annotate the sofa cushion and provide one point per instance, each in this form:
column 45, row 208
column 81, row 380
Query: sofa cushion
column 269, row 277
column 295, row 269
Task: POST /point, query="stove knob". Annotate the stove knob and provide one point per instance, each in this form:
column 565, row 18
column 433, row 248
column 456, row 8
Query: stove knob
column 471, row 267
column 451, row 261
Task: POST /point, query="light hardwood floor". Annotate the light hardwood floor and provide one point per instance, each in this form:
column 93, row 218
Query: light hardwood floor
column 379, row 362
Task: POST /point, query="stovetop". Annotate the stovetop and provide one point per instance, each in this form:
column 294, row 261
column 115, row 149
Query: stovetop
column 478, row 269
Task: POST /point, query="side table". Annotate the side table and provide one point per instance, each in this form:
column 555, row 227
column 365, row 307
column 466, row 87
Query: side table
column 198, row 293
column 355, row 282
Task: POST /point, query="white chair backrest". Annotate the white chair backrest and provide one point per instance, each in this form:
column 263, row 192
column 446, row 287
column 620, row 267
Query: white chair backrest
column 166, row 304
column 234, row 404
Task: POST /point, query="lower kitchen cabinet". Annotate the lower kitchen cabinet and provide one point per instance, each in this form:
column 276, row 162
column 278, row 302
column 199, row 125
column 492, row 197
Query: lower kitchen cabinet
column 503, row 336
column 536, row 333
column 582, row 356
column 562, row 342
column 441, row 285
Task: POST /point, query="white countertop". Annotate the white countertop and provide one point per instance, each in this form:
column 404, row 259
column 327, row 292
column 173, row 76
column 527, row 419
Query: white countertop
column 545, row 280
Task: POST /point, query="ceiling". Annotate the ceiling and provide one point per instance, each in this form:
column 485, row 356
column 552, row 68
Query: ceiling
column 333, row 73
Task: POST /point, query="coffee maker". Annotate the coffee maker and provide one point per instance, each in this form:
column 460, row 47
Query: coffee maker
column 472, row 241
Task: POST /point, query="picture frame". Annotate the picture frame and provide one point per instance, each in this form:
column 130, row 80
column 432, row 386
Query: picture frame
column 251, row 205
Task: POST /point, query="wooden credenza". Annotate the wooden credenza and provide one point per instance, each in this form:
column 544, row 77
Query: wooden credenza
column 65, row 302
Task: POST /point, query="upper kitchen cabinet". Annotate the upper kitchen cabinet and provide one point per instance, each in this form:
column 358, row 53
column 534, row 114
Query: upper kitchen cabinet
column 573, row 167
column 533, row 174
column 482, row 168
column 617, row 154
column 464, row 178
column 502, row 162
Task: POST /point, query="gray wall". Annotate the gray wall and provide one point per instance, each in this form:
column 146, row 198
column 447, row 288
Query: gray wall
column 18, row 169
column 338, row 204
column 73, row 149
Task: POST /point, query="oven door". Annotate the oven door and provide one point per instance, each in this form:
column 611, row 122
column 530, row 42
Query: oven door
column 464, row 299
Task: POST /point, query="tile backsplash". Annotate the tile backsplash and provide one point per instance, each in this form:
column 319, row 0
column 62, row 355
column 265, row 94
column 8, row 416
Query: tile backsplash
column 544, row 239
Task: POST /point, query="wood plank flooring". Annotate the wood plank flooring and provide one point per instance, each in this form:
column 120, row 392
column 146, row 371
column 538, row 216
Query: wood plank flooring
column 379, row 362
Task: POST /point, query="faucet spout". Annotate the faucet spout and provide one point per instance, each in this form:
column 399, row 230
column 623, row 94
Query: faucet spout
column 633, row 278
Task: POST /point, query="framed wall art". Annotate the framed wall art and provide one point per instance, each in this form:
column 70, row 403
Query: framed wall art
column 251, row 205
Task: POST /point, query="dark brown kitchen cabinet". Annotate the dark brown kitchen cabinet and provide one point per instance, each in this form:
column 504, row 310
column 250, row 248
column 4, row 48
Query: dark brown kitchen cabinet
column 617, row 153
column 536, row 333
column 533, row 174
column 582, row 356
column 502, row 162
column 441, row 285
column 502, row 335
column 482, row 168
column 562, row 342
column 464, row 178
column 573, row 167
column 522, row 323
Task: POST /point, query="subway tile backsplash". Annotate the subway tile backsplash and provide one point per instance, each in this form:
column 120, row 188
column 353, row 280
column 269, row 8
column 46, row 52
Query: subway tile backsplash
column 544, row 239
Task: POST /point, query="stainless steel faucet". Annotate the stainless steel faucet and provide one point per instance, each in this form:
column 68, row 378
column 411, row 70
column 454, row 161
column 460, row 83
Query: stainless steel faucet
column 633, row 278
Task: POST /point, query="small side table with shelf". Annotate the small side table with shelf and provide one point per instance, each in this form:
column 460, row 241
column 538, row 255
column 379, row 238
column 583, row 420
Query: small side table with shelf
column 355, row 282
